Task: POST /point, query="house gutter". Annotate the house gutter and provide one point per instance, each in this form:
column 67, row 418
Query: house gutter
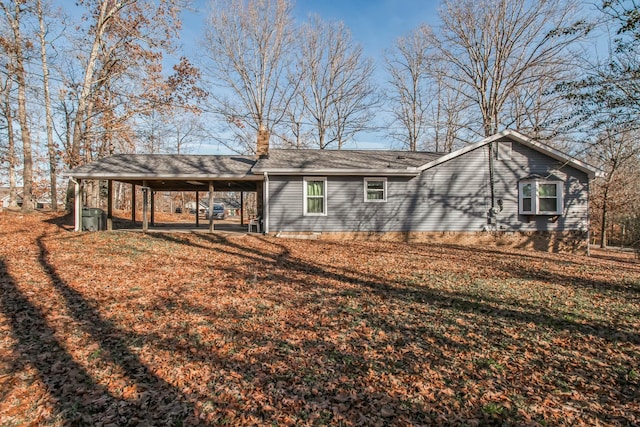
column 341, row 172
column 164, row 176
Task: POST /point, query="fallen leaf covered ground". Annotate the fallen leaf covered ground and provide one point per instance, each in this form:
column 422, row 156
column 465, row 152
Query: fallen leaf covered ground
column 125, row 328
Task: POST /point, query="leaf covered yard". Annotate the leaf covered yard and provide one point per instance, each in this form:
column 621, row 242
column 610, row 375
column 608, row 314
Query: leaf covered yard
column 118, row 328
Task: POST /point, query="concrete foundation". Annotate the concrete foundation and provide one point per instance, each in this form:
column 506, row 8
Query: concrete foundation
column 546, row 241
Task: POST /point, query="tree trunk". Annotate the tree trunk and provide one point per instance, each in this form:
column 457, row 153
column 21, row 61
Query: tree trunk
column 120, row 195
column 438, row 118
column 415, row 120
column 82, row 117
column 27, row 175
column 13, row 199
column 53, row 163
column 603, row 225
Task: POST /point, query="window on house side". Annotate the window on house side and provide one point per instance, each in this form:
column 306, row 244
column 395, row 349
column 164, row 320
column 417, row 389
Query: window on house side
column 375, row 189
column 315, row 196
column 540, row 197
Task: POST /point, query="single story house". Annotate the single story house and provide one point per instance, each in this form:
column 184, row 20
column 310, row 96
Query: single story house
column 42, row 202
column 5, row 196
column 506, row 187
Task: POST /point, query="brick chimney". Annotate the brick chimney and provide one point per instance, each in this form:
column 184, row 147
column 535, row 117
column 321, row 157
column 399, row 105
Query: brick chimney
column 262, row 146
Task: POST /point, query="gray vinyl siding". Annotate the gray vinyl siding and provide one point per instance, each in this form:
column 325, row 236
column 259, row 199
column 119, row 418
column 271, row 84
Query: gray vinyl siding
column 452, row 196
column 526, row 162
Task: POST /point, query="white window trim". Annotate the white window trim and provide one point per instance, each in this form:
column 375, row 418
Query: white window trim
column 535, row 183
column 384, row 190
column 324, row 196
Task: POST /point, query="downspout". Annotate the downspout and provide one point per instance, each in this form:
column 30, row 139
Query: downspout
column 265, row 207
column 588, row 217
column 77, row 201
column 492, row 212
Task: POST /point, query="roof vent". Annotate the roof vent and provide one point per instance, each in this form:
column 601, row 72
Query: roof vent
column 402, row 157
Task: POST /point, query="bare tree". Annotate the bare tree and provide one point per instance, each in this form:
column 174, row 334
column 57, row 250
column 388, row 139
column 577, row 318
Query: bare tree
column 16, row 48
column 296, row 134
column 102, row 13
column 248, row 44
column 426, row 106
column 7, row 112
column 51, row 148
column 623, row 215
column 538, row 111
column 448, row 116
column 166, row 101
column 185, row 131
column 614, row 151
column 118, row 52
column 336, row 89
column 408, row 67
column 608, row 91
column 605, row 99
column 175, row 133
column 126, row 40
column 495, row 48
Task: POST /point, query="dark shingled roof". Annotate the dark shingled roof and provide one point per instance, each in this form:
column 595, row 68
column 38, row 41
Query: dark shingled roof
column 165, row 165
column 241, row 173
column 344, row 159
column 174, row 166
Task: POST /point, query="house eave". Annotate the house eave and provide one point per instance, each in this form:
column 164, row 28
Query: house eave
column 156, row 177
column 526, row 141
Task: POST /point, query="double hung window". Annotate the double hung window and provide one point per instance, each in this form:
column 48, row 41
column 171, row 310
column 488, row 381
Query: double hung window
column 375, row 189
column 315, row 196
column 540, row 197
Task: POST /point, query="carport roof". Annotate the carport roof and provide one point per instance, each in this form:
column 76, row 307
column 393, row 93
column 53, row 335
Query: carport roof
column 125, row 167
column 173, row 172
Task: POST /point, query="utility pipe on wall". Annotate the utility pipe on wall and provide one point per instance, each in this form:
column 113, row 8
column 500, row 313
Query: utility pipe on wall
column 265, row 204
column 77, row 194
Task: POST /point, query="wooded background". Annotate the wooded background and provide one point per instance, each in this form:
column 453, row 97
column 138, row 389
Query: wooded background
column 74, row 90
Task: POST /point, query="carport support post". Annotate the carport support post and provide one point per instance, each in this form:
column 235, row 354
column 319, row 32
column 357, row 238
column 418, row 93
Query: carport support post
column 77, row 195
column 153, row 208
column 145, row 213
column 242, row 208
column 211, row 207
column 109, row 205
column 197, row 209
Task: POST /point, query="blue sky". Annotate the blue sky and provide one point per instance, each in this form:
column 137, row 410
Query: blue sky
column 375, row 24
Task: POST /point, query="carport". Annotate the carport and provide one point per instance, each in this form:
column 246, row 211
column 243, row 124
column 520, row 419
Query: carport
column 158, row 172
